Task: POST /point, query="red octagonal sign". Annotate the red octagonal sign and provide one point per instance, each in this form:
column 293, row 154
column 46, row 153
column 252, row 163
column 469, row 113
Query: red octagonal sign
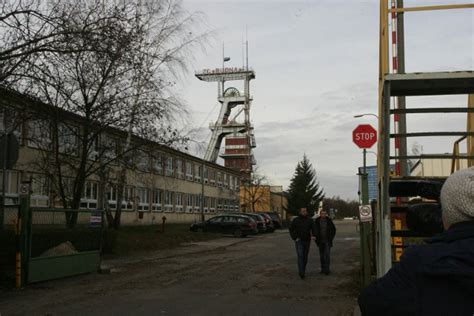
column 364, row 136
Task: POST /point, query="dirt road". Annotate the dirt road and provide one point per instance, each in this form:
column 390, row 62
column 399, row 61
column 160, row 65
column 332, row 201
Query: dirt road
column 255, row 276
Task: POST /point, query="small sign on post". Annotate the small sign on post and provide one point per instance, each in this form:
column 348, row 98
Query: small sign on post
column 365, row 213
column 95, row 220
column 24, row 189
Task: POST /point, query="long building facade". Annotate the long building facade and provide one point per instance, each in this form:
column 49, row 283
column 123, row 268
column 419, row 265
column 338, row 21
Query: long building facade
column 160, row 181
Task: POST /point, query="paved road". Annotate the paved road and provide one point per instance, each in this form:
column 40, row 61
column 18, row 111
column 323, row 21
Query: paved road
column 255, row 276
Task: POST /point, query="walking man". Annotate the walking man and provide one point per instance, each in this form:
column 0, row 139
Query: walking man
column 300, row 232
column 324, row 232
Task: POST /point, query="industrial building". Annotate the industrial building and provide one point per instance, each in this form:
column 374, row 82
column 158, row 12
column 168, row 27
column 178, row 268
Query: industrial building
column 161, row 182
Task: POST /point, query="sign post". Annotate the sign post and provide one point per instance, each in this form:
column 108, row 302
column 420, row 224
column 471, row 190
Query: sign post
column 364, row 136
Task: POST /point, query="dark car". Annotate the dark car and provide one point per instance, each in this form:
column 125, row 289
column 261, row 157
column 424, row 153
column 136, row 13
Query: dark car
column 258, row 219
column 268, row 222
column 277, row 223
column 237, row 225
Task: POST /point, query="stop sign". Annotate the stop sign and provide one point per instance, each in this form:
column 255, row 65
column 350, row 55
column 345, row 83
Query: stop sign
column 364, row 136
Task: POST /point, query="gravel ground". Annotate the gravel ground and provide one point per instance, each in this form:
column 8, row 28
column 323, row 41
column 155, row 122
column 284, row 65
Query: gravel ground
column 251, row 276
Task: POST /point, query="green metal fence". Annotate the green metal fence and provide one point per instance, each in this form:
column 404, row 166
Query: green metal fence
column 8, row 241
column 56, row 248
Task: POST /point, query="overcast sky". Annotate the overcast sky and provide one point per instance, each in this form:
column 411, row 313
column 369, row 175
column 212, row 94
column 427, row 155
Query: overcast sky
column 316, row 64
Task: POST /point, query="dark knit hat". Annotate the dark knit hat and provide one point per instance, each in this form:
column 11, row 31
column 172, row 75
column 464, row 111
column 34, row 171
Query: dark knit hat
column 457, row 197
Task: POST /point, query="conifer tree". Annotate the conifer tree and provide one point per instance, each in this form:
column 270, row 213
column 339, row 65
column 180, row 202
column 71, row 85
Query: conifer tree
column 304, row 190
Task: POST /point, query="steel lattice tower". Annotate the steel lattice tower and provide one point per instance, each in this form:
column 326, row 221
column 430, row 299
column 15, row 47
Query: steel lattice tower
column 233, row 122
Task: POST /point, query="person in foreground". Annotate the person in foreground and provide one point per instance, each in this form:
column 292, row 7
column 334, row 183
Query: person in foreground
column 300, row 232
column 324, row 232
column 436, row 278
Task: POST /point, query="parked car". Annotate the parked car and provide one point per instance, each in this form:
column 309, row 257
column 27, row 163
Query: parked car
column 258, row 219
column 268, row 222
column 277, row 222
column 237, row 225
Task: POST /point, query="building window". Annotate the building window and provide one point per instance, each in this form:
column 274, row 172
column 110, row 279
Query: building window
column 13, row 123
column 197, row 203
column 11, row 188
column 178, row 197
column 189, row 202
column 68, row 187
column 109, row 147
column 67, row 139
column 206, row 204
column 143, row 161
column 189, row 171
column 231, row 182
column 89, row 196
column 179, row 169
column 93, row 153
column 112, row 196
column 168, row 201
column 197, row 173
column 236, row 205
column 206, row 174
column 128, row 200
column 158, row 163
column 39, row 134
column 169, row 166
column 212, row 207
column 219, row 179
column 143, row 196
column 157, row 200
column 212, row 176
column 39, row 190
column 226, row 179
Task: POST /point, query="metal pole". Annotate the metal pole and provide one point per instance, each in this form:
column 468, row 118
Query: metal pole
column 202, row 190
column 365, row 228
column 385, row 251
column 402, row 123
column 4, row 169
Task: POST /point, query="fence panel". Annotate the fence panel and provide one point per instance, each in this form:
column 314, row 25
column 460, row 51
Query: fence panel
column 58, row 250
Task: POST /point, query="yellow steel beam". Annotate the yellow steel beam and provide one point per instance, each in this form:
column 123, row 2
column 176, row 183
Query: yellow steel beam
column 433, row 8
column 383, row 70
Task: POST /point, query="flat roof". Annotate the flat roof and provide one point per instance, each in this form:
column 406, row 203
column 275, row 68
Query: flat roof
column 431, row 83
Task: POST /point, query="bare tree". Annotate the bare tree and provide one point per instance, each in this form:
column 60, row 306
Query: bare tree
column 255, row 191
column 121, row 62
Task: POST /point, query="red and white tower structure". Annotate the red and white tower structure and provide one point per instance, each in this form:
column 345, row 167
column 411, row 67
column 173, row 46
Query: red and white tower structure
column 233, row 123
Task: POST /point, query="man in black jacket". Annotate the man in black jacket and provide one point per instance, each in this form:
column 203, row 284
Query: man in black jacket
column 324, row 231
column 300, row 232
column 437, row 278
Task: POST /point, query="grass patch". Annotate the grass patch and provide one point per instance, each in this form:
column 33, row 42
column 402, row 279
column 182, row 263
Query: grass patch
column 148, row 238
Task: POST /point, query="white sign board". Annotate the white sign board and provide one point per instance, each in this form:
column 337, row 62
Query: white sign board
column 365, row 213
